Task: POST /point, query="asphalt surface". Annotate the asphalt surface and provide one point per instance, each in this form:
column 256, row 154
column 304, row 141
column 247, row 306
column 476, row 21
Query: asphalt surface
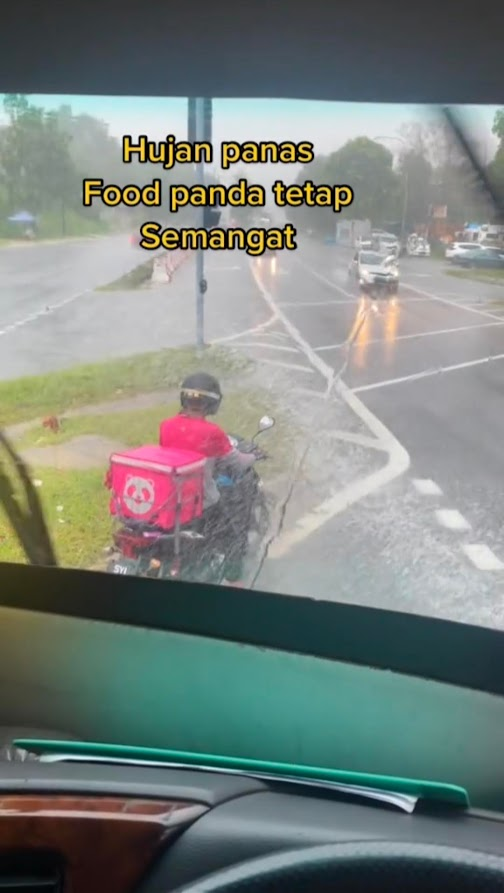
column 361, row 524
column 52, row 319
column 435, row 547
column 41, row 287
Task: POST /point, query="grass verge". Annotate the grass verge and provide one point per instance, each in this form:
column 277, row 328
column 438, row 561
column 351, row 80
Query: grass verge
column 240, row 414
column 492, row 277
column 136, row 278
column 23, row 399
column 75, row 507
column 76, row 502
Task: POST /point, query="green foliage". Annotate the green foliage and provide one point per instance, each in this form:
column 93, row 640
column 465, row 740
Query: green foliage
column 45, row 155
column 364, row 165
column 496, row 168
column 498, row 127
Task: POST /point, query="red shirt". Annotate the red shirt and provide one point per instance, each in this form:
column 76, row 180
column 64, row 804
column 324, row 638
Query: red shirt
column 189, row 433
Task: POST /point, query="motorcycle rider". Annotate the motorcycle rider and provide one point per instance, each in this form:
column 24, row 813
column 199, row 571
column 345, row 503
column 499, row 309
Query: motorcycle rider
column 190, row 429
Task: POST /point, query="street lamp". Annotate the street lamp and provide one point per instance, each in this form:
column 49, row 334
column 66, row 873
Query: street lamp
column 405, row 182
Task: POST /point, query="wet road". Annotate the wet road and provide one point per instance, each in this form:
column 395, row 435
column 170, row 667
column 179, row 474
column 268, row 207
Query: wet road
column 430, row 366
column 431, row 540
column 40, row 289
column 92, row 326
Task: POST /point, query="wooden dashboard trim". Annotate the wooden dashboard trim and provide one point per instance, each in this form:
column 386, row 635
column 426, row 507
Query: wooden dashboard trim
column 106, row 844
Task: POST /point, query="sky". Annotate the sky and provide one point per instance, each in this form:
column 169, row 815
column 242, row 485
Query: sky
column 326, row 124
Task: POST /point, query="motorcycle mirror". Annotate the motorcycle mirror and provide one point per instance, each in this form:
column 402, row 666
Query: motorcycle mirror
column 266, row 422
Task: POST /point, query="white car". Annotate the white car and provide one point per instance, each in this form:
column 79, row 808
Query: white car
column 389, row 246
column 418, row 247
column 363, row 244
column 373, row 271
column 458, row 249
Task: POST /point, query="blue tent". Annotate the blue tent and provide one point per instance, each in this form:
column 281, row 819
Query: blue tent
column 22, row 217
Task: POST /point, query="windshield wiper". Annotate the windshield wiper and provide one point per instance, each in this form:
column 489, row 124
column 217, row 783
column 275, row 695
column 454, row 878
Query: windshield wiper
column 29, row 524
column 403, row 793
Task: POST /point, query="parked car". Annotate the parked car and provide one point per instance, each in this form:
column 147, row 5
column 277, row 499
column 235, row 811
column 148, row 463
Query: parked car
column 458, row 249
column 389, row 246
column 417, row 246
column 363, row 243
column 486, row 258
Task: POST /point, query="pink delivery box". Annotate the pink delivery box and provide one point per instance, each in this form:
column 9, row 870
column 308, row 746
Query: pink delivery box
column 157, row 485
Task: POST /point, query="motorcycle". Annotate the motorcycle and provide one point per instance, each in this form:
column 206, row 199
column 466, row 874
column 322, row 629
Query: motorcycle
column 192, row 551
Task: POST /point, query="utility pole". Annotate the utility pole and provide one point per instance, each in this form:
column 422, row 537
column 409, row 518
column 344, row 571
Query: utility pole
column 405, row 205
column 201, row 285
column 405, row 179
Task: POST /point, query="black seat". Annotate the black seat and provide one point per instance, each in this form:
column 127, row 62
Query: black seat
column 138, row 527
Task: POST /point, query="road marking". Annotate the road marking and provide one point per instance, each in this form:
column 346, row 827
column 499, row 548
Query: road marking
column 277, row 336
column 482, row 557
column 45, row 312
column 333, row 303
column 401, row 301
column 358, row 439
column 323, row 278
column 428, row 373
column 427, row 487
column 256, row 330
column 268, row 346
column 452, row 519
column 483, row 325
column 398, row 457
column 309, row 392
column 450, row 303
column 292, row 366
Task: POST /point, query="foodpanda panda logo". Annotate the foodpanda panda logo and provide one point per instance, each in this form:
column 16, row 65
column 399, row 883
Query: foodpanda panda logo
column 138, row 495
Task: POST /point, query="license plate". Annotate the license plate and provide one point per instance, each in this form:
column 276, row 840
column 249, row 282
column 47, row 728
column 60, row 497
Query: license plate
column 120, row 568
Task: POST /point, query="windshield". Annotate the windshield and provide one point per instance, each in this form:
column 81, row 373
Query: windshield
column 370, row 258
column 199, row 383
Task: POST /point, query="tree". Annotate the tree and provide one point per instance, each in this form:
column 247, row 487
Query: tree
column 364, row 165
column 498, row 127
column 496, row 172
column 35, row 163
column 453, row 181
column 417, row 174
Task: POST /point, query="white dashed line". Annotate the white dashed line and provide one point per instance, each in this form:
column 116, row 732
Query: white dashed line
column 482, row 557
column 452, row 519
column 45, row 312
column 427, row 487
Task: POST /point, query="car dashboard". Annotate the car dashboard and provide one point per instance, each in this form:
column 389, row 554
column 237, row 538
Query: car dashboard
column 113, row 828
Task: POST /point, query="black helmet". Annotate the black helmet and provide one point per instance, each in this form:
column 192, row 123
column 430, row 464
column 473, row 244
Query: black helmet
column 201, row 392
